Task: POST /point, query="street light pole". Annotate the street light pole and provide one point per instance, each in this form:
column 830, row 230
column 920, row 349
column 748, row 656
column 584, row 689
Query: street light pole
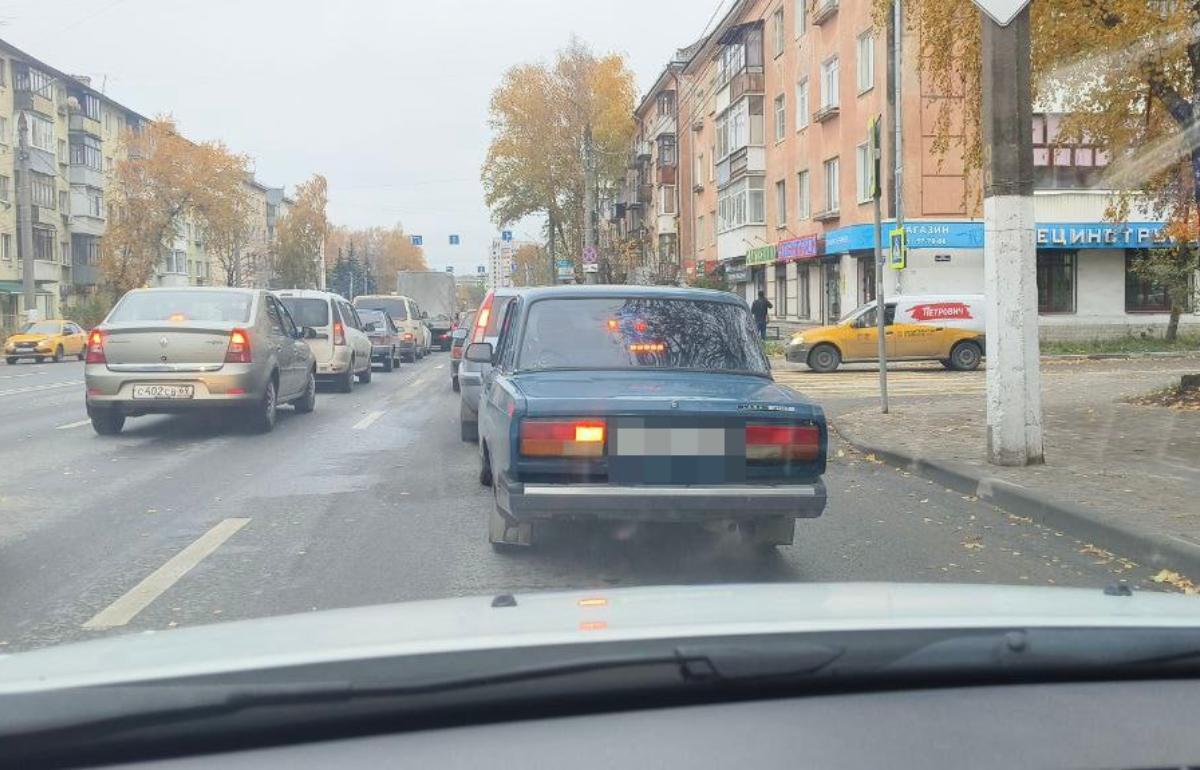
column 1014, row 408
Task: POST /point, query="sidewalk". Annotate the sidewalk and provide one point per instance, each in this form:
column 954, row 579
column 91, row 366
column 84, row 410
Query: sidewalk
column 1121, row 477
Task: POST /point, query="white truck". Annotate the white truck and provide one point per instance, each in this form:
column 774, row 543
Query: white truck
column 437, row 296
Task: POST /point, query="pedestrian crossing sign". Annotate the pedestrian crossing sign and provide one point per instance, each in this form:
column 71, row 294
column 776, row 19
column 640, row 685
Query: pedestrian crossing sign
column 898, row 253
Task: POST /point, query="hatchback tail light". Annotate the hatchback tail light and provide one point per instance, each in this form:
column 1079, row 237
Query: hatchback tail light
column 95, row 348
column 781, row 443
column 339, row 333
column 563, row 438
column 481, row 319
column 239, row 348
column 408, row 337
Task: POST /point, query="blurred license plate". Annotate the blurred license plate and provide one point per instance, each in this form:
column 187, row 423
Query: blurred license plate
column 671, row 442
column 163, row 391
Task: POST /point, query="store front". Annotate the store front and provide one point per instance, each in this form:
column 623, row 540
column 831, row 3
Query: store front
column 760, row 260
column 796, row 263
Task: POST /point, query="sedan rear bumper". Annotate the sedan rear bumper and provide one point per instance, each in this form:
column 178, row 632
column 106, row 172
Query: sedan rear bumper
column 660, row 503
column 381, row 352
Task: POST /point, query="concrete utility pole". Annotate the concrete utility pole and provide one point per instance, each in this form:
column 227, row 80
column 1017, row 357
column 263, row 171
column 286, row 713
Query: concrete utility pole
column 25, row 218
column 589, row 198
column 875, row 142
column 1014, row 396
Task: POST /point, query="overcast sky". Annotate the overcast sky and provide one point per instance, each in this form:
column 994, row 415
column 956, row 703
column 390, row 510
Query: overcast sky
column 387, row 99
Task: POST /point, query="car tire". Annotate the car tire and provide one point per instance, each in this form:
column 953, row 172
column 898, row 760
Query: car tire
column 58, row 355
column 345, row 381
column 389, row 363
column 946, row 363
column 454, row 385
column 261, row 417
column 108, row 423
column 308, row 401
column 365, row 375
column 824, row 359
column 82, row 353
column 965, row 356
column 10, row 360
column 468, row 423
column 396, row 359
column 39, row 359
column 485, row 469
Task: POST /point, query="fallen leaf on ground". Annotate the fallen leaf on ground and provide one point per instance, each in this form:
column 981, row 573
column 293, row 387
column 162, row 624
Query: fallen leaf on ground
column 1175, row 580
column 973, row 543
column 1091, row 550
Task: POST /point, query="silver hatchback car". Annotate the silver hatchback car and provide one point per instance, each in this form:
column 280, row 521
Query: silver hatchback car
column 170, row 350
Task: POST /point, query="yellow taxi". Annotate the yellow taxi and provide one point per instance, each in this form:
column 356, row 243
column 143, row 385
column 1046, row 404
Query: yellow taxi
column 53, row 339
column 944, row 328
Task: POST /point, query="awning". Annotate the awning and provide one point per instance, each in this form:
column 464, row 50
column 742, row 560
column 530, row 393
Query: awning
column 11, row 287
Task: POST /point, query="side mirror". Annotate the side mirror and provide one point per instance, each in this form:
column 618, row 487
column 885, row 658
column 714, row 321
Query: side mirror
column 308, row 333
column 479, row 352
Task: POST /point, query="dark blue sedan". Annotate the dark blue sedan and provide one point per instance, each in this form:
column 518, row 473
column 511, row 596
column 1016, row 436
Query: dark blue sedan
column 643, row 404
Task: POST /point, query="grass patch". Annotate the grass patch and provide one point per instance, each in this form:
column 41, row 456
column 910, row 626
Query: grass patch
column 773, row 347
column 1175, row 397
column 1184, row 342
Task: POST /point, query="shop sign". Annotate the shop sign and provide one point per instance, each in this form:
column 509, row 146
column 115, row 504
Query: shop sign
column 737, row 273
column 1101, row 235
column 763, row 255
column 797, row 249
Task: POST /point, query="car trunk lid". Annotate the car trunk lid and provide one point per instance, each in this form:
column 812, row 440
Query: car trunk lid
column 181, row 346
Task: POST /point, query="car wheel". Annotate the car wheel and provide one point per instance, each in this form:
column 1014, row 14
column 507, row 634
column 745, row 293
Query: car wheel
column 58, row 354
column 389, row 363
column 10, row 361
column 965, row 356
column 365, row 375
column 468, row 423
column 946, row 363
column 824, row 358
column 454, row 385
column 345, row 382
column 485, row 469
column 308, row 401
column 82, row 353
column 261, row 418
column 108, row 423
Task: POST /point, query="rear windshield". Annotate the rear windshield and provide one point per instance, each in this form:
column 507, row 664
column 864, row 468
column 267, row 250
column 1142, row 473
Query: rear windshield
column 372, row 317
column 183, row 305
column 307, row 311
column 636, row 333
column 394, row 306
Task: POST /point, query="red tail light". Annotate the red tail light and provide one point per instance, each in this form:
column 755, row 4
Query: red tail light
column 481, row 319
column 409, row 337
column 781, row 443
column 95, row 349
column 456, row 353
column 563, row 438
column 339, row 333
column 239, row 348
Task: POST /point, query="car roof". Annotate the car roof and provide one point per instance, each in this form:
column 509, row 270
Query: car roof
column 309, row 294
column 213, row 289
column 617, row 291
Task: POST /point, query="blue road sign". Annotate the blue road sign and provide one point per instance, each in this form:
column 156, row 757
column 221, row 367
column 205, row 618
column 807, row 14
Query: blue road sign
column 416, row 240
column 453, row 240
column 481, row 269
column 449, row 268
column 506, row 235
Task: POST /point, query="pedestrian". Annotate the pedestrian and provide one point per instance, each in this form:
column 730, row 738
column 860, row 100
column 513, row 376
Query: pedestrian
column 759, row 311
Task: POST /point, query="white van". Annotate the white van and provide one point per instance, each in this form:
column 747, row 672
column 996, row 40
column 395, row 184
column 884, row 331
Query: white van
column 341, row 347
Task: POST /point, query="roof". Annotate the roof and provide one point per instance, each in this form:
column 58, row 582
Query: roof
column 619, row 291
column 66, row 77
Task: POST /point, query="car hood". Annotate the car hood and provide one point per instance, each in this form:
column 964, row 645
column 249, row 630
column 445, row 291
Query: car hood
column 599, row 615
column 28, row 338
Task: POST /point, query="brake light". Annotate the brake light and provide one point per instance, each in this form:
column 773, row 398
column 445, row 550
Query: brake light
column 95, row 350
column 481, row 320
column 408, row 337
column 239, row 348
column 765, row 442
column 456, row 353
column 562, row 438
column 339, row 333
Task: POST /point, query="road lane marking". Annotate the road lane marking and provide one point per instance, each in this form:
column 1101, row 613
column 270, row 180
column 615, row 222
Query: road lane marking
column 36, row 388
column 70, row 425
column 157, row 582
column 17, row 376
column 440, row 366
column 366, row 422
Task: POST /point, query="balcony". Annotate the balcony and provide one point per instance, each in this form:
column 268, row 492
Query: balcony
column 665, row 175
column 645, row 194
column 828, row 112
column 85, row 224
column 664, row 124
column 45, row 270
column 748, row 80
column 86, row 175
column 828, row 215
column 85, row 124
column 824, row 12
column 28, row 100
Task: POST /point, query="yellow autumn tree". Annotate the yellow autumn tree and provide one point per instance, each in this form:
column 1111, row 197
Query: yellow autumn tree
column 300, row 234
column 1126, row 76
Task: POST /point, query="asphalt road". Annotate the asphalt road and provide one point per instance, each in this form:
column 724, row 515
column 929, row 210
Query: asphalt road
column 373, row 498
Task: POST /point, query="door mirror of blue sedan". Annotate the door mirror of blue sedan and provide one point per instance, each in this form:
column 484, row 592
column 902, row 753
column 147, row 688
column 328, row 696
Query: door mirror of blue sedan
column 479, row 352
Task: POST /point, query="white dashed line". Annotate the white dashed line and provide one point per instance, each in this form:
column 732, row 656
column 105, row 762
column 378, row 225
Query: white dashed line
column 36, row 388
column 157, row 582
column 366, row 422
column 440, row 366
column 70, row 425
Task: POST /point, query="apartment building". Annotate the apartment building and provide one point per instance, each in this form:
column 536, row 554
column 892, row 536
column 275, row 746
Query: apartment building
column 772, row 112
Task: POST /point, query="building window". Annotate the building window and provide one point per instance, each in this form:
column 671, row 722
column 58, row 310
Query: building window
column 1142, row 294
column 95, row 199
column 667, row 247
column 777, row 33
column 666, row 199
column 700, row 168
column 667, row 150
column 64, row 201
column 41, row 133
column 740, row 204
column 829, row 83
column 29, row 79
column 3, row 80
column 831, row 185
column 3, row 188
column 666, row 103
column 701, row 233
column 712, row 164
column 780, row 203
column 176, row 262
column 108, row 164
column 803, row 307
column 802, row 104
column 866, row 61
column 780, row 118
column 43, row 244
column 91, row 106
column 781, row 305
column 85, row 151
column 863, row 187
column 43, row 190
column 866, row 279
column 801, row 20
column 803, row 196
column 5, row 136
column 62, row 150
column 64, row 251
column 1056, row 281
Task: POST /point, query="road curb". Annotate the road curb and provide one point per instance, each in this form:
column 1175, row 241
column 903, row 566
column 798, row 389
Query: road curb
column 1148, row 549
column 777, row 359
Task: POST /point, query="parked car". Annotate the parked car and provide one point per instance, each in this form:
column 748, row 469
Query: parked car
column 340, row 345
column 415, row 339
column 947, row 328
column 53, row 339
column 384, row 336
column 642, row 404
column 461, row 330
column 484, row 328
column 175, row 350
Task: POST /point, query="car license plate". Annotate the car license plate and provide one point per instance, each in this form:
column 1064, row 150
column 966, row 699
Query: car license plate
column 27, row 345
column 670, row 442
column 163, row 391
